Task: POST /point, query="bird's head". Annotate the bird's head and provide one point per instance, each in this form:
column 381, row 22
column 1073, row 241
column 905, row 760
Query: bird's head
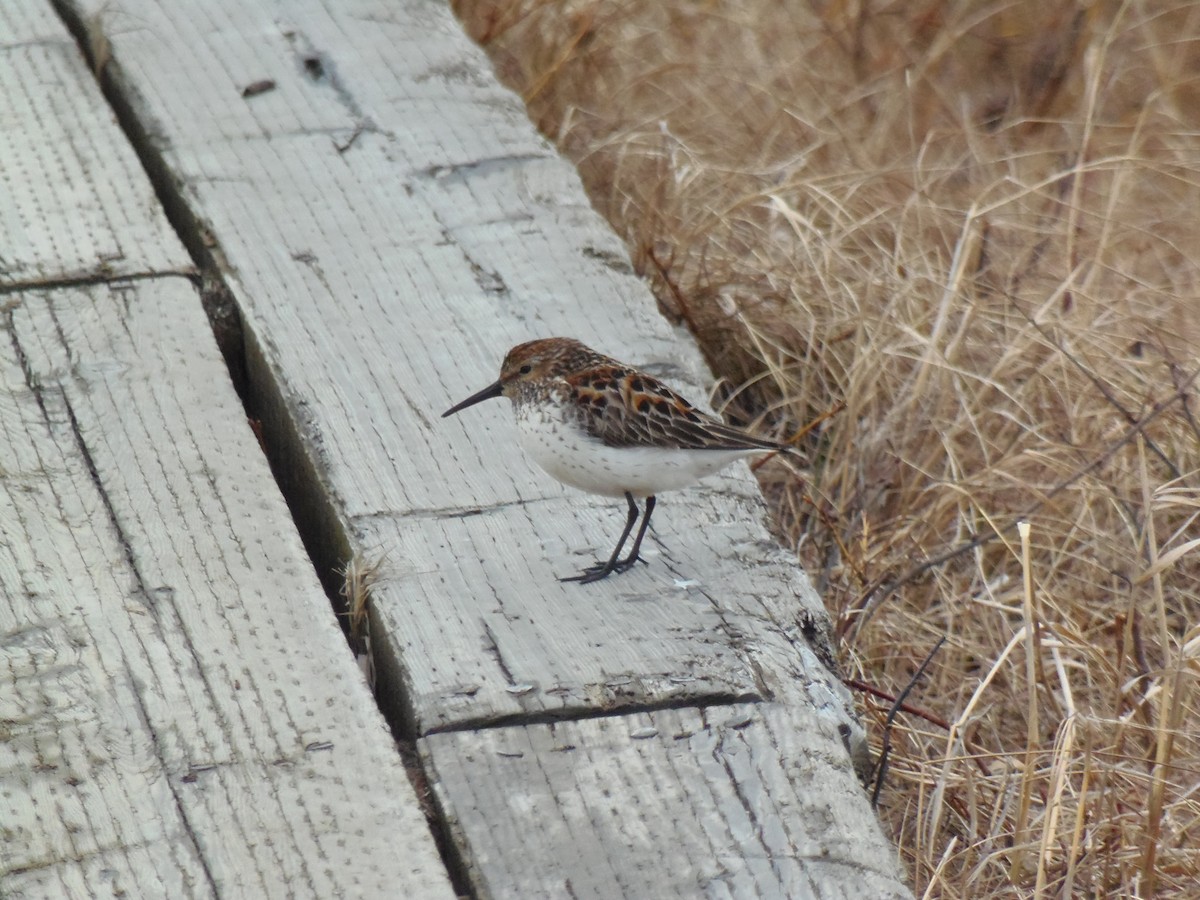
column 531, row 361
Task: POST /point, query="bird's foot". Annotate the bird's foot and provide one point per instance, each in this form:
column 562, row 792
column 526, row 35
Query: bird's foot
column 591, row 573
column 604, row 569
column 628, row 563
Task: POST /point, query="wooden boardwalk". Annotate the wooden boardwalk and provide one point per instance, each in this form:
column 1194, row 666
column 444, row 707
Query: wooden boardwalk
column 370, row 221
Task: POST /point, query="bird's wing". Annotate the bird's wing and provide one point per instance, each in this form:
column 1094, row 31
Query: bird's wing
column 626, row 408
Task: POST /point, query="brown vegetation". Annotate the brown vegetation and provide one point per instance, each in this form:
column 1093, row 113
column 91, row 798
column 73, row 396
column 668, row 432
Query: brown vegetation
column 977, row 224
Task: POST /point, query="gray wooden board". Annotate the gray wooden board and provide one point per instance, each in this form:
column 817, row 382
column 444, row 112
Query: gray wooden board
column 384, row 282
column 179, row 714
column 677, row 630
column 731, row 802
column 74, row 202
column 391, row 224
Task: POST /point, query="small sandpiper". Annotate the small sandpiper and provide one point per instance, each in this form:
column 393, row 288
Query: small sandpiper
column 604, row 427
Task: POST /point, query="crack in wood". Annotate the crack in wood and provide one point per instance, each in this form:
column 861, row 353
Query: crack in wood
column 142, row 591
column 464, row 170
column 492, row 648
column 40, row 392
column 180, row 807
column 715, row 700
column 737, row 639
column 318, row 66
column 489, row 280
column 448, row 512
column 417, row 411
column 720, row 756
column 90, row 279
column 32, row 381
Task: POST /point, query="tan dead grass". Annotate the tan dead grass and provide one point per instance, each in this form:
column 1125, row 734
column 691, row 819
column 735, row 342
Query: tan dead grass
column 360, row 575
column 978, row 225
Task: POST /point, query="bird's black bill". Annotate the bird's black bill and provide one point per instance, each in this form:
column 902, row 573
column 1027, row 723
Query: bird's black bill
column 492, row 390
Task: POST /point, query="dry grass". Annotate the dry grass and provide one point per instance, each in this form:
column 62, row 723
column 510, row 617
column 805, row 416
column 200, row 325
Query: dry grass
column 978, row 225
column 360, row 575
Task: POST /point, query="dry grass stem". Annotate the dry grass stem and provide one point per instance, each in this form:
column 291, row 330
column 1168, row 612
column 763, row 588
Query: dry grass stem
column 1032, row 680
column 974, row 228
column 359, row 577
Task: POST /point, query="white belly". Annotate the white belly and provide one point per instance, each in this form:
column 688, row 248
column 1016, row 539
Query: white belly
column 582, row 462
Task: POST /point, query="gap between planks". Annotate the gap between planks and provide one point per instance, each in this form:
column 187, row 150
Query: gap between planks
column 325, row 534
column 322, row 530
column 312, row 509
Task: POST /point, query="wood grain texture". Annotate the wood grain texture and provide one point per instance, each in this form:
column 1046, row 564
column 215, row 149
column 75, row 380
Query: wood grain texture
column 180, row 715
column 681, row 629
column 734, row 801
column 389, row 225
column 558, row 648
column 75, row 204
column 382, row 281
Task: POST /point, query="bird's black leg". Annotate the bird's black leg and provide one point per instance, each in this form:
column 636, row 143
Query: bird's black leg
column 603, row 570
column 627, row 562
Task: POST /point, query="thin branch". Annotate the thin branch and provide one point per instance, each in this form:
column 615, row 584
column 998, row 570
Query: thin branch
column 881, row 769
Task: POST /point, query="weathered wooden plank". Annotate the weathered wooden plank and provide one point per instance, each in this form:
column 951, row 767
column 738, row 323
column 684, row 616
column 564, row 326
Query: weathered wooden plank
column 734, row 801
column 76, row 204
column 381, row 283
column 681, row 649
column 391, row 225
column 173, row 690
column 180, row 715
column 678, row 630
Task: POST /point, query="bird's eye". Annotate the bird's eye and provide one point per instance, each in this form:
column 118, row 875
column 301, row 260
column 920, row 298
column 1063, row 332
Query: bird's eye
column 526, row 369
